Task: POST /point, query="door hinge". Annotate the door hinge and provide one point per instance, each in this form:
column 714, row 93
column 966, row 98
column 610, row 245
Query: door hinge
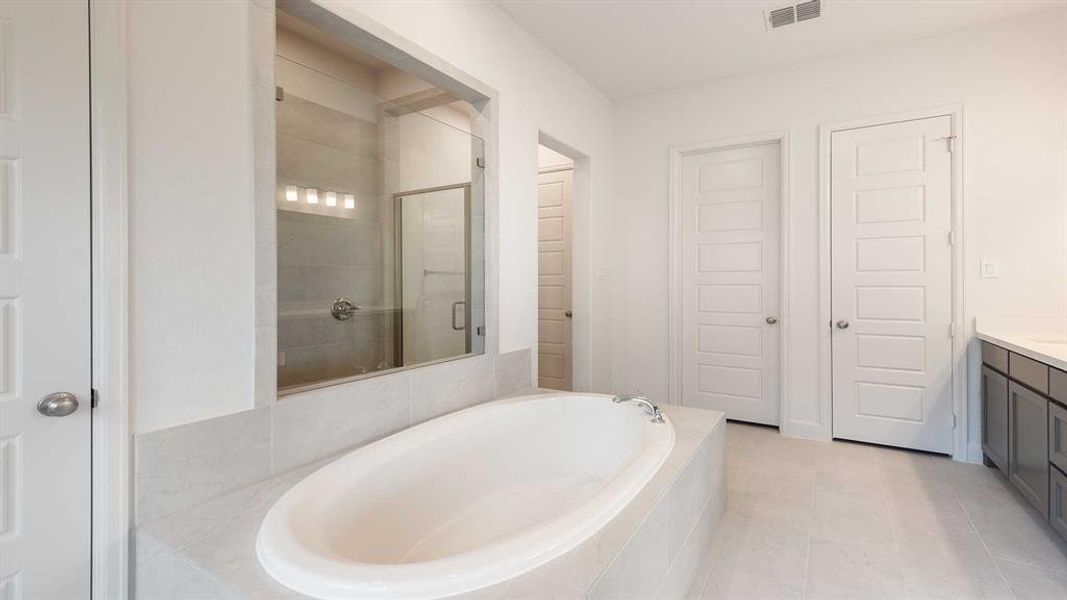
column 479, row 162
column 950, row 143
column 951, row 330
column 951, row 237
column 953, row 420
column 94, row 398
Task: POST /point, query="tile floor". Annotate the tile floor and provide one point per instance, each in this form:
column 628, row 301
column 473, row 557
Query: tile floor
column 844, row 520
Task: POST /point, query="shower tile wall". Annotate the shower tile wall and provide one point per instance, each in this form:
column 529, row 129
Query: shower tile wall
column 322, row 258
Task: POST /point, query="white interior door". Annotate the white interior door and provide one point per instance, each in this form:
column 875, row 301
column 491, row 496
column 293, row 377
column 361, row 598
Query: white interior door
column 729, row 289
column 433, row 254
column 891, row 284
column 44, row 298
column 554, row 280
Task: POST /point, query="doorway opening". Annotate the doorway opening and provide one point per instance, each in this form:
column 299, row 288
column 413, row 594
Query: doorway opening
column 555, row 310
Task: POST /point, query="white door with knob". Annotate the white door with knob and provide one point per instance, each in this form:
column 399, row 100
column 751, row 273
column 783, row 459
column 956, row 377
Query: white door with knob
column 891, row 284
column 44, row 299
column 554, row 316
column 730, row 231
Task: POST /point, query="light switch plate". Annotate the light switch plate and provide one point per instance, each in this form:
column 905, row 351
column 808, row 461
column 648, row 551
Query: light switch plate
column 989, row 269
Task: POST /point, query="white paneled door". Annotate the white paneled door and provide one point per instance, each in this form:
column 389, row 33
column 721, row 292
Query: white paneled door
column 730, row 278
column 44, row 299
column 891, row 284
column 554, row 280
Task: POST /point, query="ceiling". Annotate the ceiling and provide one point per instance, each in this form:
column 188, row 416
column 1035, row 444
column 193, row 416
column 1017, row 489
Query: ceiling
column 630, row 48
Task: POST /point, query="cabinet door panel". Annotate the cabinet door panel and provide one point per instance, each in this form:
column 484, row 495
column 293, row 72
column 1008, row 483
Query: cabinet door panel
column 995, row 417
column 1057, row 435
column 1057, row 500
column 1028, row 445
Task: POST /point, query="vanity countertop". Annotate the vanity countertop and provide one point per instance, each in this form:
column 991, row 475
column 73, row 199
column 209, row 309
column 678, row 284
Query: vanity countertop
column 1047, row 347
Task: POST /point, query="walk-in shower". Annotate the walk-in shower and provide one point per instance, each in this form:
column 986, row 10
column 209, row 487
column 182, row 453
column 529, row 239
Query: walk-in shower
column 380, row 224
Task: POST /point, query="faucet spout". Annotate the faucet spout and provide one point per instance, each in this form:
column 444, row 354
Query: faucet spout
column 650, row 409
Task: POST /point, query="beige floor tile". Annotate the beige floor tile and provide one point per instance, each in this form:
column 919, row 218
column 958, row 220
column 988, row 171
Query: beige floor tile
column 772, row 552
column 947, row 563
column 740, row 584
column 984, row 488
column 848, row 477
column 851, row 518
column 794, row 506
column 848, row 520
column 1019, row 534
column 847, row 571
column 929, row 508
column 1034, row 582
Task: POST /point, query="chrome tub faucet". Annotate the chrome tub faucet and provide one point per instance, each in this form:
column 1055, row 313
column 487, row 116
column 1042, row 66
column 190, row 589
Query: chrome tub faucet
column 650, row 409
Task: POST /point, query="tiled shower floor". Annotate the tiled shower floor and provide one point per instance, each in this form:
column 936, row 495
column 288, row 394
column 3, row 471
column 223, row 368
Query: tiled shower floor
column 811, row 519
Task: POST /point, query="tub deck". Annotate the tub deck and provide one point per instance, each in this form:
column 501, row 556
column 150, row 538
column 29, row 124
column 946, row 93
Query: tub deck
column 651, row 549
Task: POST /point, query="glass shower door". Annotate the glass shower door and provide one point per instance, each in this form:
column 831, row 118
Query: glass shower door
column 433, row 244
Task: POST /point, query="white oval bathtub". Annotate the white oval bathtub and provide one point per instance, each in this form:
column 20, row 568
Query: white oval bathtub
column 464, row 501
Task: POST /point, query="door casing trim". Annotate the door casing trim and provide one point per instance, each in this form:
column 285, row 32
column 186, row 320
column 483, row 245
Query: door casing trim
column 961, row 331
column 111, row 503
column 674, row 299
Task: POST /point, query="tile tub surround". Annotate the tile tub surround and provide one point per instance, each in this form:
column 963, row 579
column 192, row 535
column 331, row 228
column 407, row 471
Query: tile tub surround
column 181, row 467
column 653, row 549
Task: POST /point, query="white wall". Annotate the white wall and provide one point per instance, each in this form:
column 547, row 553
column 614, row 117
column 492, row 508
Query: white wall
column 537, row 92
column 1010, row 78
column 192, row 268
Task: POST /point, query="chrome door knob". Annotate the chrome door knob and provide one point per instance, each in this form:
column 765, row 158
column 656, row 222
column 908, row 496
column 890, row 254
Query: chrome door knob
column 842, row 324
column 59, row 404
column 771, row 320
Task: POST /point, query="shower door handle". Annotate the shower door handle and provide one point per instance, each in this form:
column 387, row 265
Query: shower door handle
column 462, row 325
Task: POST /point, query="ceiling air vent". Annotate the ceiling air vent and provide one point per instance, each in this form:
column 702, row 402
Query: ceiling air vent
column 787, row 15
column 809, row 10
column 780, row 17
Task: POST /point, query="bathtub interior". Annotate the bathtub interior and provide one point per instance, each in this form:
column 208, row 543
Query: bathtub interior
column 512, row 468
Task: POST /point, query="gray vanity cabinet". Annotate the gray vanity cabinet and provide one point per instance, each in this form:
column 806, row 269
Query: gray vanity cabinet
column 1057, row 500
column 1024, row 428
column 995, row 418
column 1028, row 444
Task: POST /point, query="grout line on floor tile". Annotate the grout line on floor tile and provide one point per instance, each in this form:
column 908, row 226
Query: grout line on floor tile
column 894, row 530
column 981, row 540
column 807, row 566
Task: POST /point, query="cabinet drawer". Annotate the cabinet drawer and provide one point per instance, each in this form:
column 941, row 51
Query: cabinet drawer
column 995, row 356
column 1028, row 371
column 1057, row 385
column 1057, row 435
column 1057, row 500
